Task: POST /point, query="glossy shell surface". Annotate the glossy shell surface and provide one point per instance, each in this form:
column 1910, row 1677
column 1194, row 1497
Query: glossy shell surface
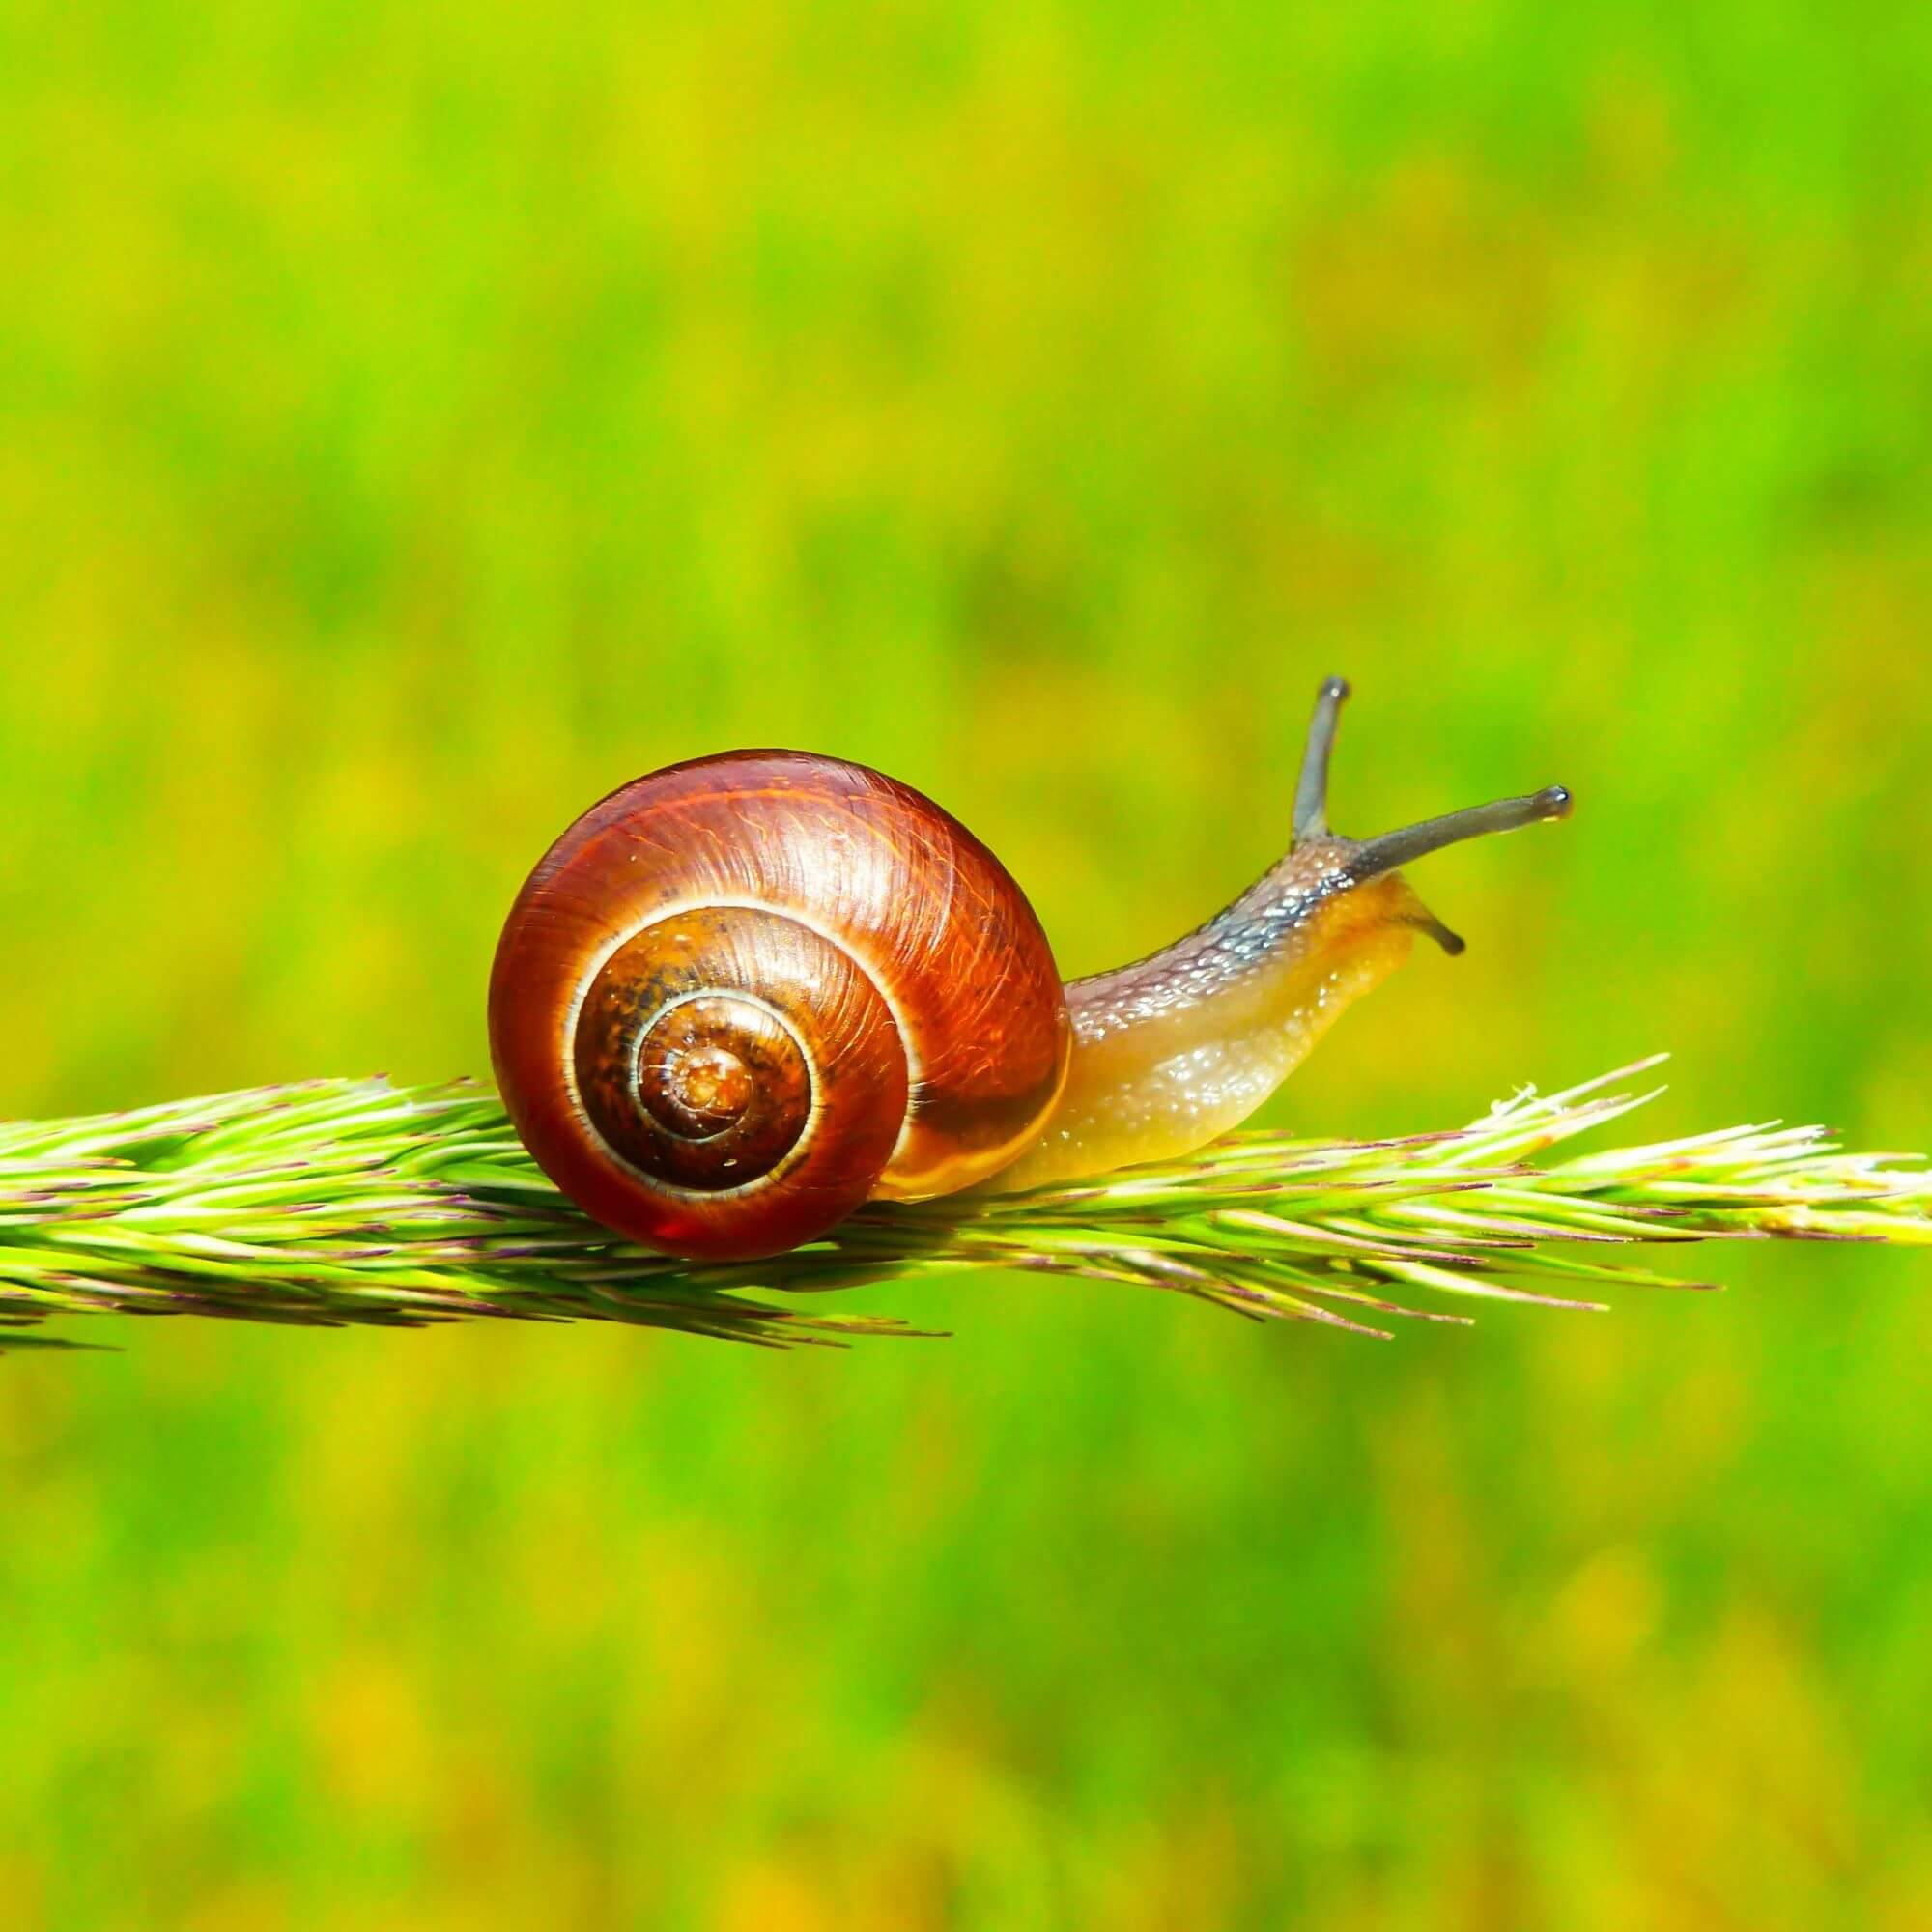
column 742, row 995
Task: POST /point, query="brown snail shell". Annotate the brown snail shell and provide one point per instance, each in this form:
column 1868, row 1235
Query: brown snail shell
column 743, row 995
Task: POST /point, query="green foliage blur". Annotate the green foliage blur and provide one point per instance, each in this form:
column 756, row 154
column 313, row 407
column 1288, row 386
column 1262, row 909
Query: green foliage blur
column 416, row 419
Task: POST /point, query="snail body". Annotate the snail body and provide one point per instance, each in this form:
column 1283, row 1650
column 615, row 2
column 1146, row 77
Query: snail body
column 741, row 996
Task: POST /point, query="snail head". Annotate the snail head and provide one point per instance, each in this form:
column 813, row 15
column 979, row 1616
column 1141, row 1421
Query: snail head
column 1361, row 860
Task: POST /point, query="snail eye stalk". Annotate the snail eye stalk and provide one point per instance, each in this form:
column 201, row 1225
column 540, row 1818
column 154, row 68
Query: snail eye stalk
column 1311, row 794
column 1388, row 850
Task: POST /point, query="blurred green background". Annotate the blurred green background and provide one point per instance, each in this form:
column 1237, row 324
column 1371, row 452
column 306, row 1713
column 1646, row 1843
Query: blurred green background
column 415, row 420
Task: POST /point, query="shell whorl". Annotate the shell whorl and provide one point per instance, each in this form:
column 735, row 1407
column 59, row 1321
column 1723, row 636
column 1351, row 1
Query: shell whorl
column 741, row 996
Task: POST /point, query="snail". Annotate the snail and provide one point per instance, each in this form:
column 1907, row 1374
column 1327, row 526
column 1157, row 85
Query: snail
column 744, row 994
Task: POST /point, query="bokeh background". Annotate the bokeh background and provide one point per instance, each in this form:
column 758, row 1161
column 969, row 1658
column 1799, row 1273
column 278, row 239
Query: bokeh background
column 416, row 419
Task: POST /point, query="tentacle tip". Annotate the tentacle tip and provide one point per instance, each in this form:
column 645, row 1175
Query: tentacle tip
column 1452, row 943
column 1556, row 802
column 1335, row 690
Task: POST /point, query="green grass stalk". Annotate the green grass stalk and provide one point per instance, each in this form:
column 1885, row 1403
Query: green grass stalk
column 350, row 1201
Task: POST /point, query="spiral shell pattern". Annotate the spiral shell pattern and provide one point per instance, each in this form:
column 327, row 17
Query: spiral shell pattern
column 743, row 995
